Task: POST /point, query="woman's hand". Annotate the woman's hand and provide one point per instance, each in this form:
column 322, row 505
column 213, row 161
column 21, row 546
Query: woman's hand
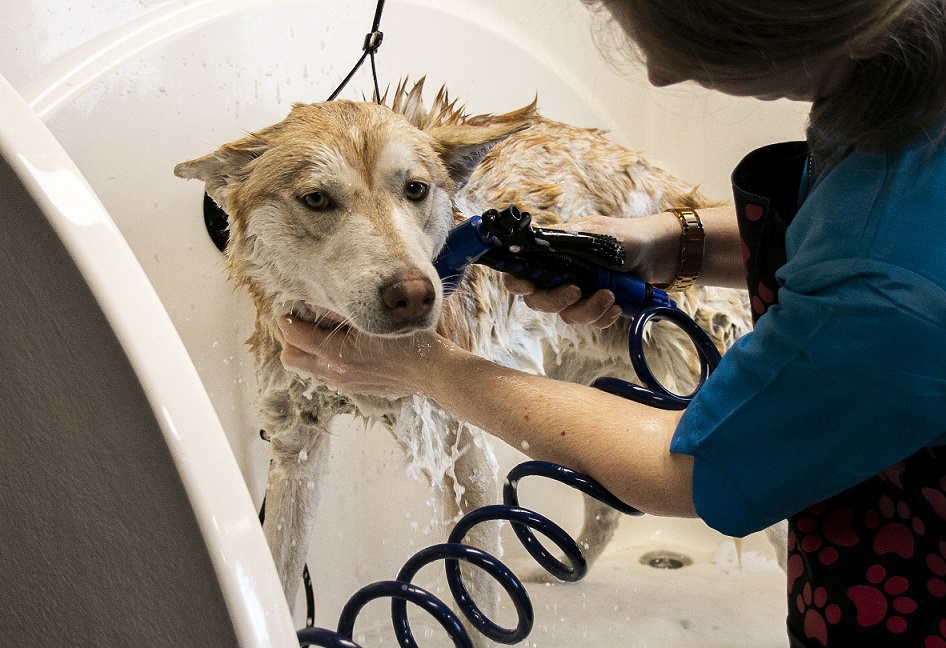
column 598, row 310
column 649, row 254
column 355, row 363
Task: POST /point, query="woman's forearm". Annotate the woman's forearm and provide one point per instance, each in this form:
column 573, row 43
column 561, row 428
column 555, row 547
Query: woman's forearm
column 722, row 259
column 722, row 256
column 620, row 443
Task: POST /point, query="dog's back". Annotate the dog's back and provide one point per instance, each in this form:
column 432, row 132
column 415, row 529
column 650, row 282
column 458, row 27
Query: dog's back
column 558, row 172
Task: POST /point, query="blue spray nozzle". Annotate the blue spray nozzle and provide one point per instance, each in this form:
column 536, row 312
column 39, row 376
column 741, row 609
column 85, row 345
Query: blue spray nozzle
column 506, row 242
column 465, row 244
column 632, row 293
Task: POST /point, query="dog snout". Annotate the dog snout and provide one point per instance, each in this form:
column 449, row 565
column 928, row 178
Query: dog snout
column 409, row 296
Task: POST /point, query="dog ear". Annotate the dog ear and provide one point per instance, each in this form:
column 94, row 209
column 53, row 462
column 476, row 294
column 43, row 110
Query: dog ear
column 463, row 146
column 225, row 168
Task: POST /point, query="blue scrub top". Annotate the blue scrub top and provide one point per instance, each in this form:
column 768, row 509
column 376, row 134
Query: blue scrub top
column 846, row 375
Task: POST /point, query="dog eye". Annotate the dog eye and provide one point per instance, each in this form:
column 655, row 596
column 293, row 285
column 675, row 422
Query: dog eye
column 415, row 190
column 317, row 200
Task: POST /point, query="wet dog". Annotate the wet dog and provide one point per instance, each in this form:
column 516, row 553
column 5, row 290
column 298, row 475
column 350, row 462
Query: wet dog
column 335, row 214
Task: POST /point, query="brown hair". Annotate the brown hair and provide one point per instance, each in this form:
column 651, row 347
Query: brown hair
column 897, row 85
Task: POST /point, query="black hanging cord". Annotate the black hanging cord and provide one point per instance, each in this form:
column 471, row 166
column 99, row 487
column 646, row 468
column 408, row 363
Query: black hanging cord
column 372, row 43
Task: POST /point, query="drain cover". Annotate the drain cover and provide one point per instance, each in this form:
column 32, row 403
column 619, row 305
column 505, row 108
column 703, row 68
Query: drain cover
column 665, row 560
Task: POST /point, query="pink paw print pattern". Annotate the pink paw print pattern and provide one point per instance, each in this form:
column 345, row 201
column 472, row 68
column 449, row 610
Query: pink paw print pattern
column 818, row 613
column 937, row 498
column 937, row 642
column 883, row 600
column 763, row 296
column 879, row 552
column 936, row 561
column 763, row 299
column 754, row 212
column 936, row 585
column 896, row 528
column 836, row 532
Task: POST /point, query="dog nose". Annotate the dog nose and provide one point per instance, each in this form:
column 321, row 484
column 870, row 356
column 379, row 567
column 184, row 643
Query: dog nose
column 409, row 296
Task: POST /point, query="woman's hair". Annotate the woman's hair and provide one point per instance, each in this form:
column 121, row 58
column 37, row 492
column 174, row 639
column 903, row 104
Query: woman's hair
column 896, row 88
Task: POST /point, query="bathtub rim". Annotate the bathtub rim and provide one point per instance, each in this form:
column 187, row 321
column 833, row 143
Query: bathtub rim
column 195, row 438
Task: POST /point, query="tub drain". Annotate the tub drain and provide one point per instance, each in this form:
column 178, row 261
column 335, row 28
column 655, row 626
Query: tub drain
column 665, row 560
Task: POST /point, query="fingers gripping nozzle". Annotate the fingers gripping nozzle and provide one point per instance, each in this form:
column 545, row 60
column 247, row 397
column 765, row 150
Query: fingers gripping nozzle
column 506, row 241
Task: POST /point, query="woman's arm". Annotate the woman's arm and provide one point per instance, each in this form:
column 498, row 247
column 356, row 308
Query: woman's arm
column 622, row 444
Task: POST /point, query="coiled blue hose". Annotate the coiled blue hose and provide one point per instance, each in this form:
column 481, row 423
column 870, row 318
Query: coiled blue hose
column 524, row 523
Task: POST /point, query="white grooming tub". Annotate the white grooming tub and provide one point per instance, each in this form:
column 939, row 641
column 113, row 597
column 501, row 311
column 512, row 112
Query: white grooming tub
column 131, row 461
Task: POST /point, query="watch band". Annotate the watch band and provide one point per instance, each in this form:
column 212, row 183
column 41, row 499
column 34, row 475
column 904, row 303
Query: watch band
column 692, row 245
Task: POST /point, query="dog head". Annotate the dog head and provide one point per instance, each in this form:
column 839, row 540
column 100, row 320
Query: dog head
column 336, row 212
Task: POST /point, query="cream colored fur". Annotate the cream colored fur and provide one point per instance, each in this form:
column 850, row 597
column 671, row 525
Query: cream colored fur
column 332, row 263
